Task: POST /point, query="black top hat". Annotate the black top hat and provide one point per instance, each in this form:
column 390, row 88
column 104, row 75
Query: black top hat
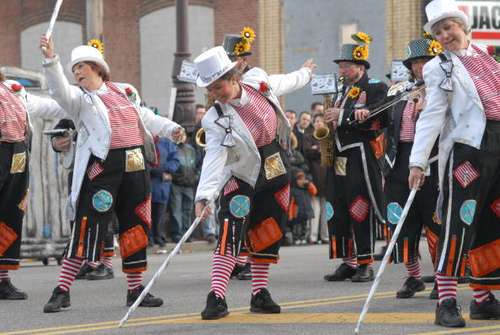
column 354, row 53
column 421, row 48
column 231, row 44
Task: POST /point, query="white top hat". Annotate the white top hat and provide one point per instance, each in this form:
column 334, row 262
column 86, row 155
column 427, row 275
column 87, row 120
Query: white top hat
column 86, row 53
column 438, row 10
column 211, row 65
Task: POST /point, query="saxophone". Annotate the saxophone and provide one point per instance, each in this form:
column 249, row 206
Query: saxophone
column 325, row 134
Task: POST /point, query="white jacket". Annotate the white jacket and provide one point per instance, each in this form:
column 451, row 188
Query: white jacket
column 92, row 123
column 243, row 159
column 457, row 118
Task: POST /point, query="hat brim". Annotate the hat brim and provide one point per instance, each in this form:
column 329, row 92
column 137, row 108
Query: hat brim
column 453, row 14
column 407, row 62
column 201, row 83
column 102, row 63
column 232, row 56
column 360, row 62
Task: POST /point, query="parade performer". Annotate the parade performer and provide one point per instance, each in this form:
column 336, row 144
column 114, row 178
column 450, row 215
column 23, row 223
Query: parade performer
column 401, row 131
column 239, row 48
column 463, row 109
column 16, row 108
column 247, row 134
column 115, row 139
column 356, row 197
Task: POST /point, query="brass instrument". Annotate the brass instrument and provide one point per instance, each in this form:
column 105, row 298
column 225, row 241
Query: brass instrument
column 200, row 139
column 325, row 134
column 294, row 143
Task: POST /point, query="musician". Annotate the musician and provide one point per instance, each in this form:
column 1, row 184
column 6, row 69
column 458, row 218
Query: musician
column 463, row 109
column 401, row 131
column 356, row 191
column 115, row 138
column 246, row 163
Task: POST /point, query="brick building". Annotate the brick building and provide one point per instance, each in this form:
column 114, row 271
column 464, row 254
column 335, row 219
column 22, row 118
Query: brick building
column 139, row 35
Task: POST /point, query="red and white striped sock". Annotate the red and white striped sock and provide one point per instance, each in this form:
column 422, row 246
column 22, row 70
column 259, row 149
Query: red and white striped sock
column 351, row 261
column 107, row 261
column 480, row 295
column 241, row 260
column 260, row 276
column 447, row 287
column 222, row 266
column 93, row 265
column 134, row 280
column 4, row 274
column 69, row 270
column 413, row 269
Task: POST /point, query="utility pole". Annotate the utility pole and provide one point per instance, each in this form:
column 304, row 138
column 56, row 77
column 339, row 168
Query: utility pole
column 94, row 19
column 184, row 102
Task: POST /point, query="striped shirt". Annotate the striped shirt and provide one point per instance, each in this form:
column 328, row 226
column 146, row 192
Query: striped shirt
column 123, row 118
column 408, row 120
column 13, row 118
column 485, row 73
column 258, row 115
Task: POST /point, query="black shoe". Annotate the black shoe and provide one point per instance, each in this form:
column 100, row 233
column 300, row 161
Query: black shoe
column 10, row 292
column 84, row 270
column 263, row 303
column 236, row 270
column 148, row 301
column 102, row 272
column 434, row 295
column 486, row 310
column 342, row 273
column 245, row 273
column 58, row 301
column 411, row 286
column 448, row 314
column 428, row 279
column 363, row 273
column 216, row 307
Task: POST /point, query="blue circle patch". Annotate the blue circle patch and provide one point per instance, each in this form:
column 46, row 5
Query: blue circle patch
column 102, row 201
column 329, row 211
column 467, row 211
column 239, row 206
column 394, row 212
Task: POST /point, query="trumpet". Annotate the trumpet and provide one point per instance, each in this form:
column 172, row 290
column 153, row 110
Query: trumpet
column 200, row 139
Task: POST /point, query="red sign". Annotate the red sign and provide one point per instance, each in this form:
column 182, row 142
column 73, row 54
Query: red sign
column 484, row 18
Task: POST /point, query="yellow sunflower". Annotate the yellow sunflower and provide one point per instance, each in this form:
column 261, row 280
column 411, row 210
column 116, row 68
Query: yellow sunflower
column 248, row 34
column 241, row 47
column 354, row 92
column 96, row 43
column 435, row 48
column 360, row 53
column 427, row 35
column 362, row 37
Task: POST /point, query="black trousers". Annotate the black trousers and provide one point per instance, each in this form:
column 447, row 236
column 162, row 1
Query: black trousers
column 352, row 226
column 471, row 211
column 108, row 187
column 252, row 219
column 13, row 200
column 422, row 212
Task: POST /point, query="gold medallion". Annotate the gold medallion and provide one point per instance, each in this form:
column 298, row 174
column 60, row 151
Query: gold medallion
column 134, row 160
column 274, row 167
column 341, row 166
column 18, row 164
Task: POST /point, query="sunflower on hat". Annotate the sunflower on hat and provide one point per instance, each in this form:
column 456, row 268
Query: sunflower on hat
column 362, row 37
column 361, row 51
column 241, row 47
column 435, row 48
column 98, row 44
column 248, row 34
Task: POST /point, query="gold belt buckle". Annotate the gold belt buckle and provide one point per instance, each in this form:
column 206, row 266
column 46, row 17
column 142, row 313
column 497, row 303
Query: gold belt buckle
column 274, row 167
column 18, row 164
column 134, row 160
column 341, row 166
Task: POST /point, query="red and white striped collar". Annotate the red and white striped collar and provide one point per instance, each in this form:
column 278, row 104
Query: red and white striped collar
column 469, row 51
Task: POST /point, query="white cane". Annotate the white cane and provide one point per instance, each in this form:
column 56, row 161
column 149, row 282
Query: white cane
column 385, row 260
column 53, row 18
column 174, row 252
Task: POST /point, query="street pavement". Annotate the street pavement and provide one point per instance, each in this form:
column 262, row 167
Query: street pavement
column 310, row 305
